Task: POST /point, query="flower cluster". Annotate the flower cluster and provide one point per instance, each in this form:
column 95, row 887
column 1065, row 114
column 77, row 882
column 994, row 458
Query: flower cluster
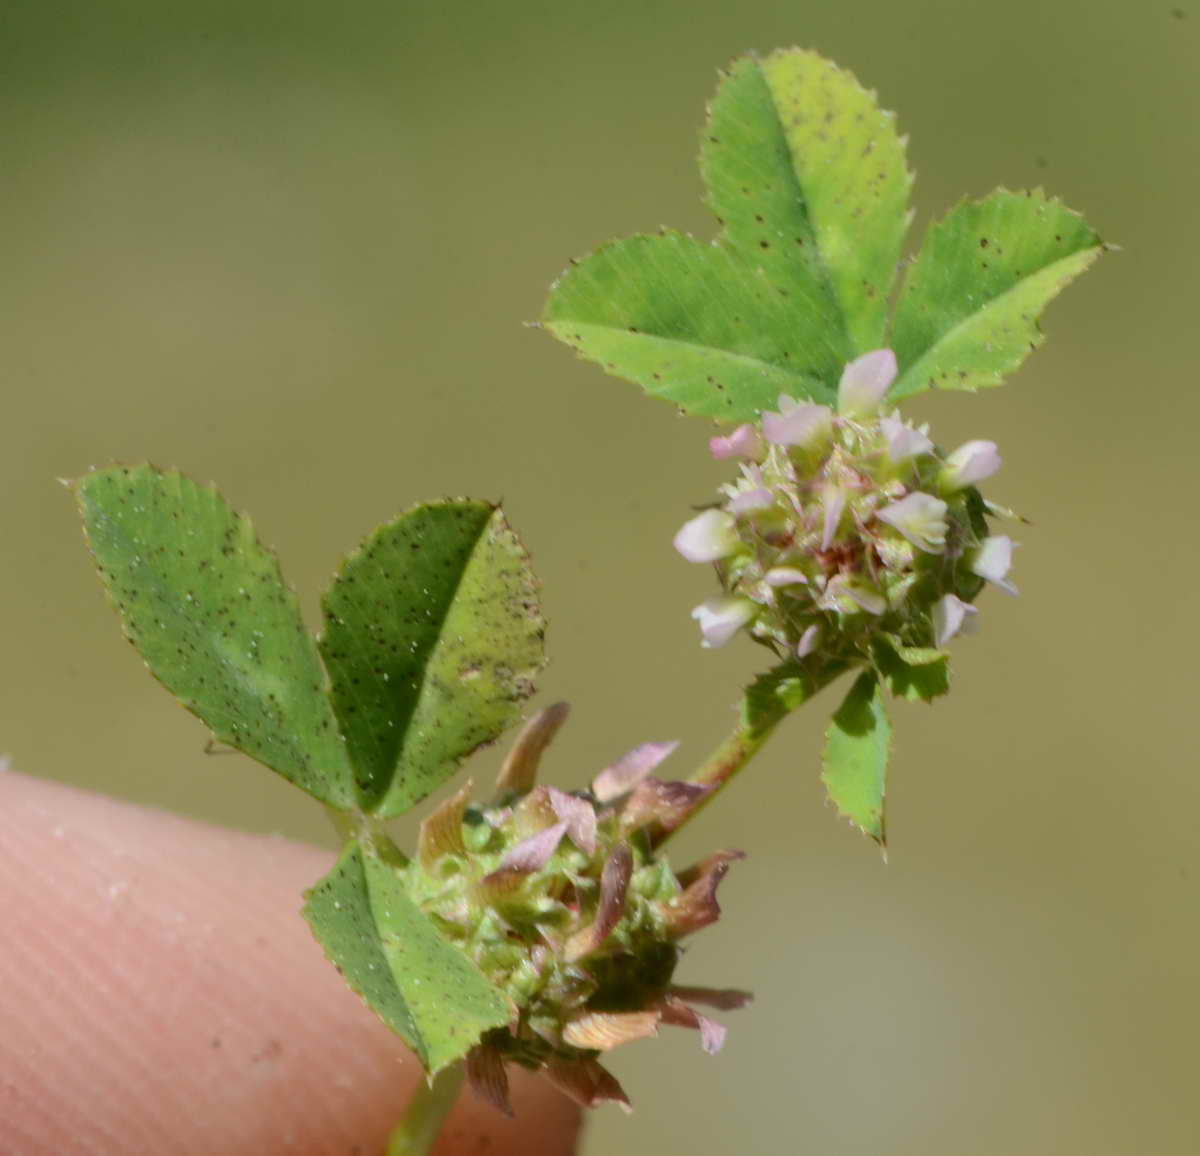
column 564, row 902
column 844, row 527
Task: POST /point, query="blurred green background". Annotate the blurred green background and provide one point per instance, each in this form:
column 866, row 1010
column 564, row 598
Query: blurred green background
column 289, row 247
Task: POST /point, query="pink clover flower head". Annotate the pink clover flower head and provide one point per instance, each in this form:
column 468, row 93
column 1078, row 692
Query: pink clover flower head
column 864, row 382
column 845, row 526
column 970, row 463
column 950, row 615
column 743, row 442
column 797, row 423
column 721, row 618
column 921, row 518
column 993, row 560
column 903, row 440
column 708, row 537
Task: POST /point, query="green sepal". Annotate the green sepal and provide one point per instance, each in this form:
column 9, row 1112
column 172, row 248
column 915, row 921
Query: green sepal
column 912, row 672
column 808, row 179
column 969, row 307
column 390, row 953
column 855, row 757
column 205, row 604
column 433, row 637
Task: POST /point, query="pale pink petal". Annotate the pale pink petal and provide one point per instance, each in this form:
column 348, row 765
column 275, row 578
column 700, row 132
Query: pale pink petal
column 579, row 816
column 534, row 853
column 750, row 500
column 809, row 641
column 921, row 518
column 803, row 424
column 903, row 441
column 834, row 502
column 784, row 576
column 721, row 618
column 707, row 537
column 744, row 442
column 864, row 382
column 678, row 1014
column 993, row 560
column 970, row 463
column 949, row 614
column 633, row 766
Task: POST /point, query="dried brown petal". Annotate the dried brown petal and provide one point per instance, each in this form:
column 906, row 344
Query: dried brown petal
column 633, row 766
column 678, row 1014
column 697, row 907
column 487, row 1077
column 655, row 800
column 606, row 1030
column 614, row 883
column 724, row 999
column 519, row 772
column 580, row 817
column 441, row 830
column 587, row 1083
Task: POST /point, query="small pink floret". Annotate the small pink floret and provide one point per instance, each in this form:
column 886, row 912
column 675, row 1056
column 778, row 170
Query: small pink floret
column 864, row 382
column 744, row 442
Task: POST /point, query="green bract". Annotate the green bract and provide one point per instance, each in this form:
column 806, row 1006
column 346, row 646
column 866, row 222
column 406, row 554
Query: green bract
column 808, row 179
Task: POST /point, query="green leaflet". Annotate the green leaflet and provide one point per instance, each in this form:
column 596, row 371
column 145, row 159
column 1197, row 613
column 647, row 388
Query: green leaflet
column 433, row 636
column 204, row 603
column 968, row 311
column 390, row 954
column 912, row 673
column 855, row 757
column 781, row 690
column 808, row 178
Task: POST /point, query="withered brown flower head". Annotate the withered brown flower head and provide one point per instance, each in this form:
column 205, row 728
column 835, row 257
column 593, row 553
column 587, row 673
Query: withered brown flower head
column 566, row 903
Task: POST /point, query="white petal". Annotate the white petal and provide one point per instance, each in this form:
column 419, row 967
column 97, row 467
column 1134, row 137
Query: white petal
column 948, row 617
column 864, row 382
column 707, row 537
column 921, row 518
column 802, row 424
column 903, row 440
column 721, row 618
column 993, row 560
column 970, row 463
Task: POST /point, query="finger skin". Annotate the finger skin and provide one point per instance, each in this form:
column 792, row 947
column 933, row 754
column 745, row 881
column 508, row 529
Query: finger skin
column 160, row 992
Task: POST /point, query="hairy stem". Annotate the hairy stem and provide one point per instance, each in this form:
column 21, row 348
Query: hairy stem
column 431, row 1102
column 765, row 705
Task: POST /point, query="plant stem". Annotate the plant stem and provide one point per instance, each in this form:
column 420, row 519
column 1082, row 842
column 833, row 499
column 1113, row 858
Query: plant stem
column 765, row 705
column 431, row 1102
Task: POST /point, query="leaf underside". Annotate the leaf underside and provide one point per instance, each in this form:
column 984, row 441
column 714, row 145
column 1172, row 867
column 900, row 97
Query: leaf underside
column 855, row 757
column 432, row 639
column 204, row 603
column 808, row 178
column 968, row 310
column 419, row 984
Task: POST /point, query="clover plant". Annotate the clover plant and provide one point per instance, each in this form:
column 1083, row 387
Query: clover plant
column 542, row 927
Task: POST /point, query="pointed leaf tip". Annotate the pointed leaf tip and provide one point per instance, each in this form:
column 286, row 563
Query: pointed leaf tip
column 857, row 745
